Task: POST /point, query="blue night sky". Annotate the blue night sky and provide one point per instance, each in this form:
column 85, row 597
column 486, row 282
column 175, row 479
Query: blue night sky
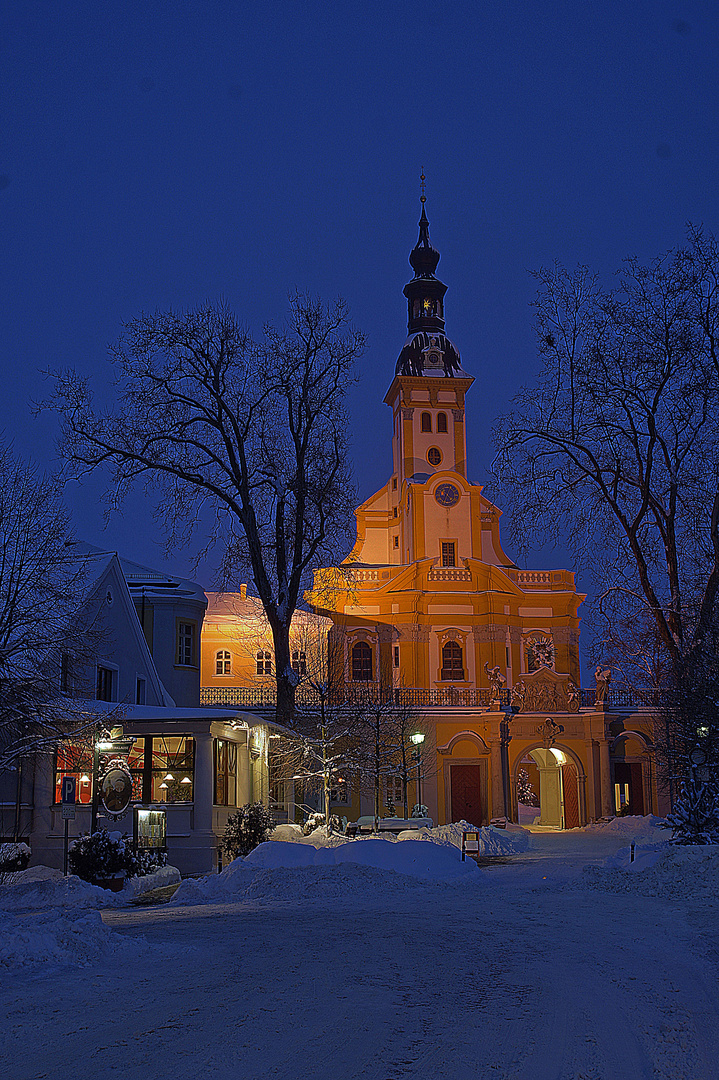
column 159, row 154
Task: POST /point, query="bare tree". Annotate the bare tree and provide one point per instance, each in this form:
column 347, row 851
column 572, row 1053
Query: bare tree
column 256, row 432
column 617, row 449
column 42, row 637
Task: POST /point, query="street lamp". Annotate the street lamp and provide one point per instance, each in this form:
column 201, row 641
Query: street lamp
column 417, row 739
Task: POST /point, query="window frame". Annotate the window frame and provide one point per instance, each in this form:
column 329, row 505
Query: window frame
column 449, row 667
column 223, row 659
column 442, row 427
column 360, row 669
column 263, row 663
column 425, row 423
column 181, row 637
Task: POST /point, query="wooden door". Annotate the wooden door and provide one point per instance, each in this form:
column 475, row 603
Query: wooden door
column 571, row 796
column 465, row 793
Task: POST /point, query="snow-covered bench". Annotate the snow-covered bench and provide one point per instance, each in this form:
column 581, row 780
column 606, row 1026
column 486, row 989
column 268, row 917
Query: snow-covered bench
column 388, row 824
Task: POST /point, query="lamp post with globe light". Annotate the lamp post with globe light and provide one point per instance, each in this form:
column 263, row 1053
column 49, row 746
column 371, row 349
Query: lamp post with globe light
column 417, row 739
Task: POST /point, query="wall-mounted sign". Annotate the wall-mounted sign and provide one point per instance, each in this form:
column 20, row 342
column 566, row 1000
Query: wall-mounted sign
column 116, row 788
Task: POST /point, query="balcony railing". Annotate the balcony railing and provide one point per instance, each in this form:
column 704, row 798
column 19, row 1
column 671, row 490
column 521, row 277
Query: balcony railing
column 265, row 697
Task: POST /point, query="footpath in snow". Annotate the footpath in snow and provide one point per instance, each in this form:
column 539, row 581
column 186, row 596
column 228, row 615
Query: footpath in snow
column 380, row 959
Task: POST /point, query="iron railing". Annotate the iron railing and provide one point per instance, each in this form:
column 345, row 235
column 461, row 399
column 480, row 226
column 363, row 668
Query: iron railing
column 265, row 697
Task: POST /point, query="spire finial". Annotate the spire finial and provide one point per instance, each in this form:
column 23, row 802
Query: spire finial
column 422, row 187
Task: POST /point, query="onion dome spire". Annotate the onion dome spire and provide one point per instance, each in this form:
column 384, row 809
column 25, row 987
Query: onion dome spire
column 427, row 350
column 423, row 258
column 425, row 292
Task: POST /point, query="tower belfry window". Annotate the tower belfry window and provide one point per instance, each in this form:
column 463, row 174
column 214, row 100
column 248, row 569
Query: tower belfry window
column 426, row 422
column 442, row 422
column 448, row 553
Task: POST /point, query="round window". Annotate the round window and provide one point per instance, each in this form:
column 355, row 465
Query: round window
column 433, row 456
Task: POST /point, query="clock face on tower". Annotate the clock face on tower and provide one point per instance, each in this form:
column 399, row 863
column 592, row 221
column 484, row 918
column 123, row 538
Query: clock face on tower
column 447, row 495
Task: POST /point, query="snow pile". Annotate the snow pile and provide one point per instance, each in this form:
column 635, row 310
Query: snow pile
column 426, row 860
column 491, row 841
column 63, row 938
column 629, row 826
column 228, row 886
column 663, row 870
column 287, row 870
column 158, row 879
column 41, row 887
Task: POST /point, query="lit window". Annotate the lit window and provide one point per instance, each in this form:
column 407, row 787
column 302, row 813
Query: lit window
column 186, row 644
column 426, row 422
column 74, row 759
column 223, row 662
column 452, row 669
column 299, row 663
column 171, row 769
column 264, row 662
column 225, row 773
column 441, row 421
column 361, row 662
column 448, row 553
column 434, row 456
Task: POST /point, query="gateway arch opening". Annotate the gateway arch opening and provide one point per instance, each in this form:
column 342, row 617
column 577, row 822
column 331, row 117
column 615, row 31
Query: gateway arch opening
column 548, row 793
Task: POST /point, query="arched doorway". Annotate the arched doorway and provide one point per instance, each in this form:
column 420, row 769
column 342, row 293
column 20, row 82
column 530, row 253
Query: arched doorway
column 631, row 774
column 547, row 783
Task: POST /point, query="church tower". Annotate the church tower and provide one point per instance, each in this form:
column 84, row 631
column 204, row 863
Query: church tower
column 427, row 597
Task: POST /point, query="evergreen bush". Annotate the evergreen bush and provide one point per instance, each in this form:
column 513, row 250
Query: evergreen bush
column 249, row 826
column 100, row 855
column 695, row 818
column 103, row 855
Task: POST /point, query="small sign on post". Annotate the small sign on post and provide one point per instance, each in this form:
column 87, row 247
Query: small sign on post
column 69, row 795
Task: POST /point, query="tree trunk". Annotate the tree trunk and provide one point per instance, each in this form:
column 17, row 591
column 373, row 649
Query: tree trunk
column 284, row 675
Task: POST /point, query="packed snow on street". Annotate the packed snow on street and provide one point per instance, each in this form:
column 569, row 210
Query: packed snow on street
column 583, row 955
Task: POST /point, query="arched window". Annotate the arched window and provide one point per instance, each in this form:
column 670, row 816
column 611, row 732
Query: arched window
column 264, row 662
column 452, row 669
column 441, row 421
column 299, row 662
column 426, row 421
column 223, row 662
column 361, row 662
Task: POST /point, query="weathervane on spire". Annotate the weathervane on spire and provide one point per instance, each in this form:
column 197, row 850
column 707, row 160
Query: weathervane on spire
column 422, row 188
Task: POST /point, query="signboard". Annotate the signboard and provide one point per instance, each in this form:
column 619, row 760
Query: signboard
column 68, row 813
column 150, row 829
column 69, row 790
column 115, row 789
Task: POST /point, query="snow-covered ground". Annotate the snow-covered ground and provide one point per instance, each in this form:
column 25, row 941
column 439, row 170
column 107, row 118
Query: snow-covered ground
column 384, row 959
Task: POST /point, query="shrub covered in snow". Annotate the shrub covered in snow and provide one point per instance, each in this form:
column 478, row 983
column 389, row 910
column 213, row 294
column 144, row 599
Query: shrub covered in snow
column 695, row 818
column 250, row 826
column 101, row 855
column 14, row 857
column 147, row 862
column 315, row 820
column 420, row 810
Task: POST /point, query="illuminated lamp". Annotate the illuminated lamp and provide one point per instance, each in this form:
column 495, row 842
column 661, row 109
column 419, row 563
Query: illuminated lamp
column 169, row 776
column 185, row 780
column 84, row 779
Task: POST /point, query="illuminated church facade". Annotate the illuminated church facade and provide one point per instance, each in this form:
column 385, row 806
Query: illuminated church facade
column 428, row 604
